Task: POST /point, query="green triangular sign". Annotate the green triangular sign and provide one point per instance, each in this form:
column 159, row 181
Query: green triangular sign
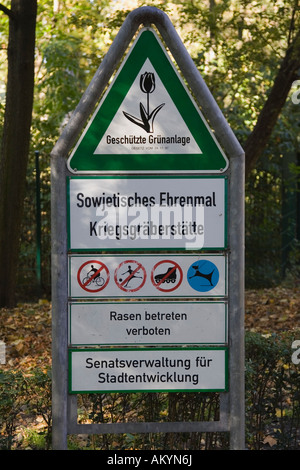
column 147, row 121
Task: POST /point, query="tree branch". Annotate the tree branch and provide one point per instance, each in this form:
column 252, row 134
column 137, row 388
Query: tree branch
column 7, row 11
column 292, row 22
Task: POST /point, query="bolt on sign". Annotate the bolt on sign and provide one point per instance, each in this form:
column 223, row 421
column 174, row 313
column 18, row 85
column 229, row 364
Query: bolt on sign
column 148, row 241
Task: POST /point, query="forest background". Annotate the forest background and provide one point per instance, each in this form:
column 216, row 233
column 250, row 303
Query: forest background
column 248, row 53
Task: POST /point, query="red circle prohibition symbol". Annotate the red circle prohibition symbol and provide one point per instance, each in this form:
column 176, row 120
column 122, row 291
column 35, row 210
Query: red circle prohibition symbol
column 98, row 282
column 122, row 283
column 169, row 276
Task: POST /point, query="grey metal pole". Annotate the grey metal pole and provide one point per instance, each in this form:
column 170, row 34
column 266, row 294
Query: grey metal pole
column 38, row 223
column 59, row 274
column 236, row 304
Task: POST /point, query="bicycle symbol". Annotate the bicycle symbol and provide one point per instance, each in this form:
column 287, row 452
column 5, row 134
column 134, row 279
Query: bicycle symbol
column 95, row 279
column 92, row 277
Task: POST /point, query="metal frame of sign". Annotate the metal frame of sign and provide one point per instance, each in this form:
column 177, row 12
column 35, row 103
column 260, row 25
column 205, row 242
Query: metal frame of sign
column 64, row 405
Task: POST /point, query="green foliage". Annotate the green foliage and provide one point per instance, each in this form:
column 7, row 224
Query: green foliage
column 272, row 219
column 273, row 392
column 22, row 395
column 263, row 229
column 12, row 390
column 70, row 45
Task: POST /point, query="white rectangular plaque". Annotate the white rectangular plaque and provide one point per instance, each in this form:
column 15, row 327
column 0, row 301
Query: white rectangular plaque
column 148, row 370
column 139, row 323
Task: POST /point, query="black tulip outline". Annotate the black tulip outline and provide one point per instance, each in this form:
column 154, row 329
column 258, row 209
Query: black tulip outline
column 147, row 85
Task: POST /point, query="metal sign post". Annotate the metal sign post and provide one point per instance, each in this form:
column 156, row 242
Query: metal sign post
column 101, row 196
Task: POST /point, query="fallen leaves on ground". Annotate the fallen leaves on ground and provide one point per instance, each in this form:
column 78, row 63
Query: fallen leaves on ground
column 26, row 332
column 272, row 310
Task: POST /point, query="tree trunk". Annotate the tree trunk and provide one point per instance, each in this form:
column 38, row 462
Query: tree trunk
column 15, row 139
column 287, row 74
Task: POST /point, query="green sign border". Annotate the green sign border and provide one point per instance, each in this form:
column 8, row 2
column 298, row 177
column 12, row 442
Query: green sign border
column 147, row 45
column 135, row 250
column 72, row 350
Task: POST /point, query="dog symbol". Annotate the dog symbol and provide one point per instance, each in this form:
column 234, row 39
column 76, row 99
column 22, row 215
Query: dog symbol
column 199, row 274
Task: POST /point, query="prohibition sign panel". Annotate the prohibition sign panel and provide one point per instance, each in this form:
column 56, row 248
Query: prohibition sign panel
column 151, row 279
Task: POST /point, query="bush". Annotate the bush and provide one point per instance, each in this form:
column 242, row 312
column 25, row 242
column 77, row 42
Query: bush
column 272, row 392
column 12, row 391
column 23, row 395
